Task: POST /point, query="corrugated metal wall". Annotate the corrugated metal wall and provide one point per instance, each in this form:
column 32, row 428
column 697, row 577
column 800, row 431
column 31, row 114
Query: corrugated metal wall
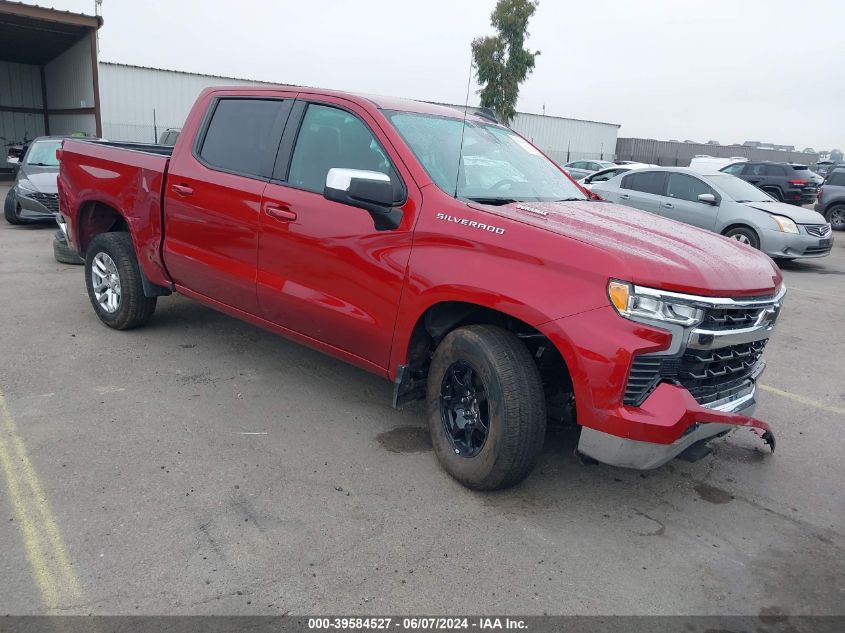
column 20, row 87
column 674, row 154
column 563, row 140
column 129, row 94
column 70, row 84
column 566, row 140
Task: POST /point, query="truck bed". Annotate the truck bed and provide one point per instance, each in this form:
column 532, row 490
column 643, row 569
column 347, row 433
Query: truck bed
column 130, row 177
column 149, row 148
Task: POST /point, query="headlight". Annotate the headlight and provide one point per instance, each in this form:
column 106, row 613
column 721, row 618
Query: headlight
column 652, row 307
column 785, row 225
column 26, row 187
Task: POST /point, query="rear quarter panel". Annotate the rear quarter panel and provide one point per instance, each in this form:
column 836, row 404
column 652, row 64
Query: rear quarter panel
column 129, row 182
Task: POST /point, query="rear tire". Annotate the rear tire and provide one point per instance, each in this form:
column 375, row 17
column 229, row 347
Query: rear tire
column 744, row 235
column 63, row 253
column 836, row 216
column 506, row 397
column 118, row 298
column 10, row 209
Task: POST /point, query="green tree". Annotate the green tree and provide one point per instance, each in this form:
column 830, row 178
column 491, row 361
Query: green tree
column 501, row 61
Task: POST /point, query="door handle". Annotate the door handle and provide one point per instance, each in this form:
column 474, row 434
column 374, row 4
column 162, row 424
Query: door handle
column 280, row 212
column 625, row 196
column 181, row 190
column 668, row 205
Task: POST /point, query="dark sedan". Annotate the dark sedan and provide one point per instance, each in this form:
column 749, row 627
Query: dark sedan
column 34, row 196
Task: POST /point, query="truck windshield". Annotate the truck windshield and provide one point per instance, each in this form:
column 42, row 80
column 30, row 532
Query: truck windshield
column 43, row 153
column 495, row 165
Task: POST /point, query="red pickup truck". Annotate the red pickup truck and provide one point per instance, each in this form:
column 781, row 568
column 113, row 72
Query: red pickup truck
column 443, row 252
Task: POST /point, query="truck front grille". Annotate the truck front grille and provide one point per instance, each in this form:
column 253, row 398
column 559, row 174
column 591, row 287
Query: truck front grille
column 707, row 374
column 704, row 370
column 731, row 318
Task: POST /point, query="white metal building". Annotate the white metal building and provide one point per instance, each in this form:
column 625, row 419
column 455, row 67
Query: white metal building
column 138, row 103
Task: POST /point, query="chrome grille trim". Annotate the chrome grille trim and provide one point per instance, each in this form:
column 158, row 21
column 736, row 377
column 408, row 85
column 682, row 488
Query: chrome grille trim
column 818, row 230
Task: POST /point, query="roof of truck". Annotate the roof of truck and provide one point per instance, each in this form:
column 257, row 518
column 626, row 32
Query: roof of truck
column 379, row 101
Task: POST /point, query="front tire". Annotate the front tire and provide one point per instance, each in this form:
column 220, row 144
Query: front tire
column 10, row 209
column 836, row 216
column 744, row 236
column 113, row 279
column 486, row 407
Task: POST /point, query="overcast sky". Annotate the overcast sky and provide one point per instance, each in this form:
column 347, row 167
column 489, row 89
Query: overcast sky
column 729, row 70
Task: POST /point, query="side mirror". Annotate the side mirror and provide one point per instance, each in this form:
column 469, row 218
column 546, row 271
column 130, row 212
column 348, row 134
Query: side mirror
column 13, row 160
column 707, row 198
column 368, row 190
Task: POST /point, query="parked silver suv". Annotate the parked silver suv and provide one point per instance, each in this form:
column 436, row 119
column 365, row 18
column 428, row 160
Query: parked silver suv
column 724, row 204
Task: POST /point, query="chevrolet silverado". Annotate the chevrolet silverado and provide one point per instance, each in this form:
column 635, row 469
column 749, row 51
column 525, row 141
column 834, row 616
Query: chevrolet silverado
column 441, row 251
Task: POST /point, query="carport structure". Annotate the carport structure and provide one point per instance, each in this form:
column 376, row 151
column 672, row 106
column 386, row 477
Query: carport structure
column 48, row 74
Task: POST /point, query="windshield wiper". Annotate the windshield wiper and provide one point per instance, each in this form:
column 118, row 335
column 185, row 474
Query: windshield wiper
column 573, row 200
column 493, row 201
column 40, row 164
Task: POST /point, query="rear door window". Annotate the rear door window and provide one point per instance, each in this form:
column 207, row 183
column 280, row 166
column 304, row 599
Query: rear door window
column 775, row 170
column 243, row 135
column 647, row 182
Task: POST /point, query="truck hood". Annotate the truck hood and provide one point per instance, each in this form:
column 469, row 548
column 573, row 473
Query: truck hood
column 799, row 215
column 655, row 251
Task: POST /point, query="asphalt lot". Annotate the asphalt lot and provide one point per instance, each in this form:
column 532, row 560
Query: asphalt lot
column 203, row 466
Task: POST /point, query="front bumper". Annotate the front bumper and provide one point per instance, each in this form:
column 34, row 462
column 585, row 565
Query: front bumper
column 788, row 245
column 640, row 455
column 36, row 205
column 686, row 402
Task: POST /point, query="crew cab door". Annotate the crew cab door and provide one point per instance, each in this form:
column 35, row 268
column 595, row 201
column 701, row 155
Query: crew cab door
column 681, row 201
column 643, row 190
column 213, row 197
column 324, row 270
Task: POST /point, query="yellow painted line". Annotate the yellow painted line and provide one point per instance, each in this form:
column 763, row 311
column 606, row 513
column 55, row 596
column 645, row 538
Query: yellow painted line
column 42, row 541
column 803, row 400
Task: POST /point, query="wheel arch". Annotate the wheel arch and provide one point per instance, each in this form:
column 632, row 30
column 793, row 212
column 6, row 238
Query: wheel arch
column 742, row 225
column 96, row 217
column 442, row 317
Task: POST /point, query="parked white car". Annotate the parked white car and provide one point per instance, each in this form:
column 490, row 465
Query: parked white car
column 713, row 164
column 606, row 174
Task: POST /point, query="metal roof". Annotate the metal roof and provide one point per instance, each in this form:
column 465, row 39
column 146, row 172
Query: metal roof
column 35, row 35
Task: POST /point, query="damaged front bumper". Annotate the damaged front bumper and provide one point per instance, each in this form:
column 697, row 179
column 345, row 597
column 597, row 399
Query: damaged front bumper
column 646, row 394
column 710, row 422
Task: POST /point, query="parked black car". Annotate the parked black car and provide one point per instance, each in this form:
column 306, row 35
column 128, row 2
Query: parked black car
column 785, row 182
column 831, row 201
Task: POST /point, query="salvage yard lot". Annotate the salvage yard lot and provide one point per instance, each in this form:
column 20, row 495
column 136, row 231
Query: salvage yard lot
column 201, row 465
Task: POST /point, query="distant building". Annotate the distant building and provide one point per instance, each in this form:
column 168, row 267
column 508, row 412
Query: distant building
column 675, row 154
column 775, row 146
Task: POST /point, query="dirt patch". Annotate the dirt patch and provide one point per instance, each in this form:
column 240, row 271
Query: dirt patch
column 712, row 494
column 405, row 439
